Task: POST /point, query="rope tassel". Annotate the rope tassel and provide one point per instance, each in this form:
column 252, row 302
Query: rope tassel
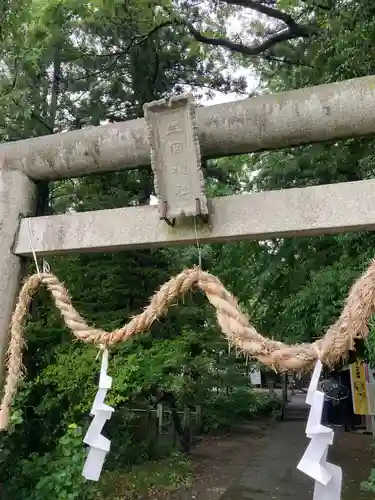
column 334, row 346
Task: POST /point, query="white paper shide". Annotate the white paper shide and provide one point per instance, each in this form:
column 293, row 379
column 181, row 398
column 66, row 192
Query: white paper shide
column 99, row 445
column 328, row 477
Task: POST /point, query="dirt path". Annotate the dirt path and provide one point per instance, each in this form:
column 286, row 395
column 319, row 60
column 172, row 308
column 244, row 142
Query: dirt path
column 259, row 463
column 219, row 460
column 272, row 473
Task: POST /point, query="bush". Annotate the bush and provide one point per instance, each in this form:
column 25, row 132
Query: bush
column 169, row 473
column 369, row 485
column 56, row 475
column 227, row 409
column 56, row 472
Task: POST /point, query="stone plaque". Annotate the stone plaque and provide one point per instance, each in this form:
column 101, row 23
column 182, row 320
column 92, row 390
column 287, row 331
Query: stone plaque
column 175, row 157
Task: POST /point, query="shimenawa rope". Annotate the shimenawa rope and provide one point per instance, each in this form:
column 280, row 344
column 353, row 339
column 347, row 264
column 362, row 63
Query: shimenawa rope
column 338, row 340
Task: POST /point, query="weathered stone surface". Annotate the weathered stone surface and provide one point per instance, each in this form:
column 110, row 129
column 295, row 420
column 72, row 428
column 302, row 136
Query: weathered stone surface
column 331, row 111
column 292, row 212
column 16, row 199
column 176, row 157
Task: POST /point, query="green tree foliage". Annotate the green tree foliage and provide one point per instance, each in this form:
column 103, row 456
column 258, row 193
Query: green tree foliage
column 297, row 285
column 68, row 65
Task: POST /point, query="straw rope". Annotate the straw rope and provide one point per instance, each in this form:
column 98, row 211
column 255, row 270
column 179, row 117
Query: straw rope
column 334, row 346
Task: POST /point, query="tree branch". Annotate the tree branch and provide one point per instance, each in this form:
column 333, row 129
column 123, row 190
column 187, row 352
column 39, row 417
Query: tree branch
column 265, row 9
column 136, row 40
column 321, row 6
column 291, row 32
column 41, row 121
column 299, row 31
column 289, row 62
column 87, row 76
column 35, row 116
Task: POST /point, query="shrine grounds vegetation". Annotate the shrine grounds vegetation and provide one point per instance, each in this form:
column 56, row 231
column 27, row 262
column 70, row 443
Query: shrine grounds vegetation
column 67, row 64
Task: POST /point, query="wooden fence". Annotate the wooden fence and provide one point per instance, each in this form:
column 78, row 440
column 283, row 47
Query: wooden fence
column 160, row 425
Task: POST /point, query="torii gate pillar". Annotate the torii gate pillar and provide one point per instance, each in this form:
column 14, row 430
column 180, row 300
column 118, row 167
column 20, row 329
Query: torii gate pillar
column 17, row 198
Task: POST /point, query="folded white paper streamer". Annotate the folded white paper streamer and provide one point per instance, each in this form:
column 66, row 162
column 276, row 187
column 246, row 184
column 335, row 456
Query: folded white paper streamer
column 99, row 445
column 328, row 477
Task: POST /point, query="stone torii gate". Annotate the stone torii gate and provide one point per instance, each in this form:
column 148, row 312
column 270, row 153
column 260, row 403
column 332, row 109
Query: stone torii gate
column 174, row 135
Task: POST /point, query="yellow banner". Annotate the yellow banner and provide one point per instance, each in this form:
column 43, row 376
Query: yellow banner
column 358, row 377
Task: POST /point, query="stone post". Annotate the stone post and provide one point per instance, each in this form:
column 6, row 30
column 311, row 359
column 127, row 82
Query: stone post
column 17, row 198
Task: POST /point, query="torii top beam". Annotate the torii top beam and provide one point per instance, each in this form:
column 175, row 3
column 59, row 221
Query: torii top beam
column 332, row 111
